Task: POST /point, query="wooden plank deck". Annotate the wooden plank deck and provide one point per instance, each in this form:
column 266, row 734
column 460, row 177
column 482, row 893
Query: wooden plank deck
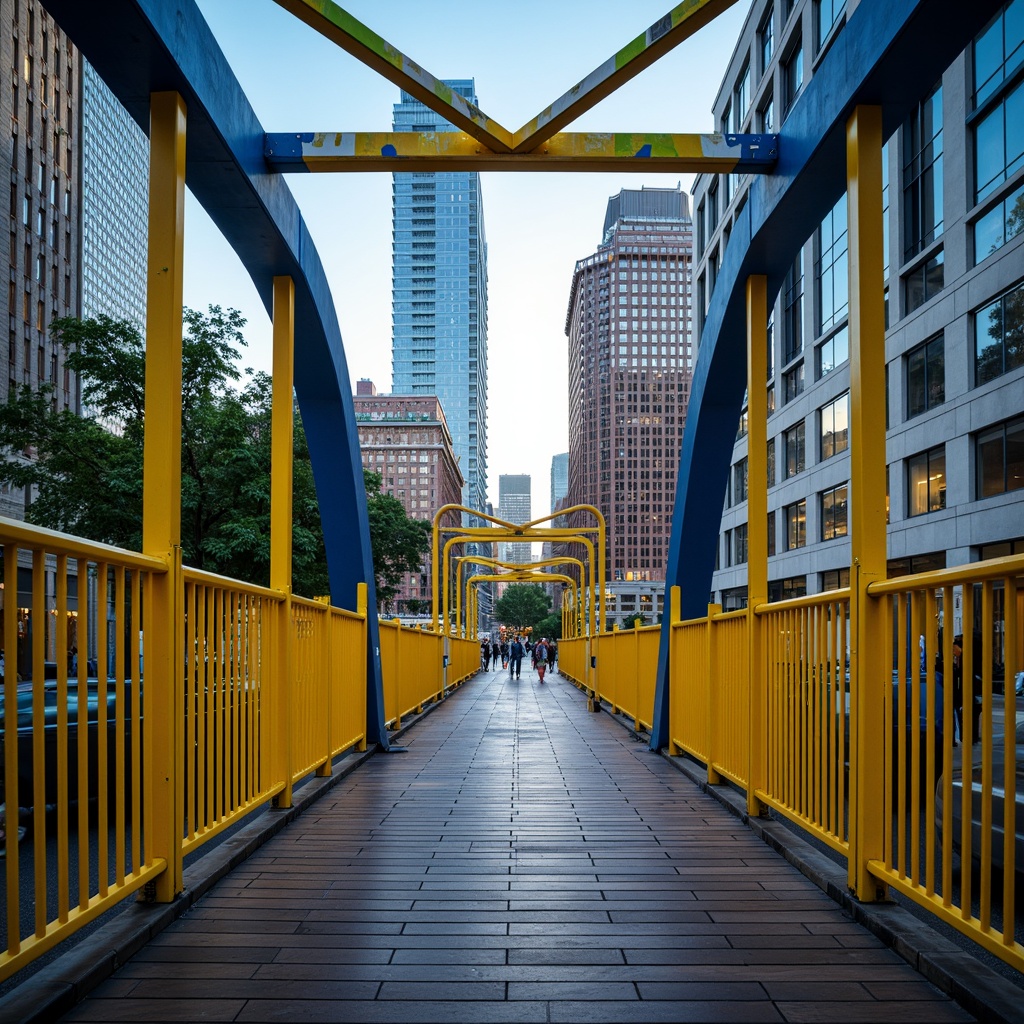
column 524, row 860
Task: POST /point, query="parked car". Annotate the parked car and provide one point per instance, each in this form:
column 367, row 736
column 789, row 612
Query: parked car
column 977, row 802
column 94, row 717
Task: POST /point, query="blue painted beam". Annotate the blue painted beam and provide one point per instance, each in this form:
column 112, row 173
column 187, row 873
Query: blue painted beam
column 143, row 46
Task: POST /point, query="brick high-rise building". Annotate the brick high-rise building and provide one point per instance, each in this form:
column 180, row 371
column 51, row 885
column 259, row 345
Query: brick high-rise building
column 405, row 438
column 630, row 367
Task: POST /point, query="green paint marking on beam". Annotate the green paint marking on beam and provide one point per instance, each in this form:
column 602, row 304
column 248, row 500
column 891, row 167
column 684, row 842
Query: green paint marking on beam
column 630, row 52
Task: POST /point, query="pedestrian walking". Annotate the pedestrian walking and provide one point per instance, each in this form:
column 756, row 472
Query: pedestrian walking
column 540, row 658
column 515, row 663
column 495, row 654
column 505, row 649
column 553, row 655
column 485, row 653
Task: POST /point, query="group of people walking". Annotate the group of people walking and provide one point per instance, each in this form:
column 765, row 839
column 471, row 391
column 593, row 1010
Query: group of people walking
column 511, row 654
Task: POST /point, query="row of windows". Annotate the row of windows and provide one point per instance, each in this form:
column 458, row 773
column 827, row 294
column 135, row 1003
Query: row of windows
column 999, row 469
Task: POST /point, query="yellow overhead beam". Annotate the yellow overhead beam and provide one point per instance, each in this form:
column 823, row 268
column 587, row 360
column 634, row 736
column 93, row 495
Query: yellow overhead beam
column 336, row 24
column 645, row 152
column 665, row 34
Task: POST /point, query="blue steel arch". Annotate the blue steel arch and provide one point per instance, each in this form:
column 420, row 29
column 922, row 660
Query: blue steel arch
column 139, row 47
column 889, row 54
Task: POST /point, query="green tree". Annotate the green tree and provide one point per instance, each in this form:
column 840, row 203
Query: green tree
column 87, row 479
column 399, row 542
column 522, row 605
column 550, row 626
column 634, row 620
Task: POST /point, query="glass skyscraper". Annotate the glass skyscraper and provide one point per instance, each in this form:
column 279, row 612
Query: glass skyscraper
column 439, row 297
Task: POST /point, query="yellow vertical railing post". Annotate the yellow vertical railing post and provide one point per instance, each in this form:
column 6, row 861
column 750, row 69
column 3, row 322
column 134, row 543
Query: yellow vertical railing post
column 282, row 421
column 711, row 660
column 674, row 612
column 161, row 496
column 757, row 532
column 362, row 606
column 868, row 675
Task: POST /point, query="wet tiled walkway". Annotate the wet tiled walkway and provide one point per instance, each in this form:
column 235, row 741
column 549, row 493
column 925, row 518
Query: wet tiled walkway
column 524, row 860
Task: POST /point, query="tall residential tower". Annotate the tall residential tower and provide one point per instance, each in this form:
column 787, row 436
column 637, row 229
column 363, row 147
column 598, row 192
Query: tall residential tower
column 439, row 298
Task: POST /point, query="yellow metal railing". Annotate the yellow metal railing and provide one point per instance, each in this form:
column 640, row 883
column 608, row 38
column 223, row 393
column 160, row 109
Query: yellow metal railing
column 272, row 689
column 952, row 839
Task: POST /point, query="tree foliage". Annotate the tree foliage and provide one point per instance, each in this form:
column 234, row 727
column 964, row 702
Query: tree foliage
column 550, row 626
column 522, row 605
column 634, row 621
column 86, row 471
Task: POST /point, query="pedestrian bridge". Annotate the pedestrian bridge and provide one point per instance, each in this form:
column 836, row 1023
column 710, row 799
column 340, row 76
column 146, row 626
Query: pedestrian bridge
column 819, row 712
column 523, row 859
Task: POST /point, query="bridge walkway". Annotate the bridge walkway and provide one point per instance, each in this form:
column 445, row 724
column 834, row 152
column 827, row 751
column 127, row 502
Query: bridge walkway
column 523, row 860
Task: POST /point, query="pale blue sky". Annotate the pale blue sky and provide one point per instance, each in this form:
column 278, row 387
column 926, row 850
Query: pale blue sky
column 522, row 56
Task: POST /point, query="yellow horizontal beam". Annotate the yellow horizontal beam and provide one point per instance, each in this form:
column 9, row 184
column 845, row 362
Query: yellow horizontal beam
column 574, row 151
column 336, row 24
column 665, row 34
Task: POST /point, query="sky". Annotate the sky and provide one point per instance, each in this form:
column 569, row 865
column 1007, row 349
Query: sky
column 522, row 56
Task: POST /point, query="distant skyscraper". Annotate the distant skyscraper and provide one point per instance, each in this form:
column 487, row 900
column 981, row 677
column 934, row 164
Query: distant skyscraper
column 515, row 506
column 630, row 366
column 559, row 478
column 439, row 299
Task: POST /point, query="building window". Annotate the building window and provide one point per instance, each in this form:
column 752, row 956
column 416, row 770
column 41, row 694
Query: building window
column 833, row 270
column 998, row 51
column 739, row 539
column 922, row 175
column 999, row 336
column 835, row 579
column 770, row 461
column 793, row 381
column 833, row 507
column 997, row 226
column 835, row 426
column 925, row 281
column 766, row 116
column 795, row 454
column 766, row 38
column 793, row 309
column 926, row 377
column 832, row 352
column 827, row 14
column 792, row 75
column 771, row 532
column 999, row 144
column 1000, row 458
column 739, row 482
column 796, row 524
column 784, row 590
column 741, row 101
column 926, row 482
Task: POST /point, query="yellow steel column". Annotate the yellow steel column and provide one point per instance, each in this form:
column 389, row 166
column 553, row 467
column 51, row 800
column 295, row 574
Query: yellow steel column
column 674, row 612
column 282, row 422
column 869, row 676
column 714, row 712
column 757, row 528
column 161, row 496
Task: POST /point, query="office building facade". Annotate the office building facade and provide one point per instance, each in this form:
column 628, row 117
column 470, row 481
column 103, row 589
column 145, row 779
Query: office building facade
column 953, row 177
column 515, row 505
column 630, row 368
column 405, row 438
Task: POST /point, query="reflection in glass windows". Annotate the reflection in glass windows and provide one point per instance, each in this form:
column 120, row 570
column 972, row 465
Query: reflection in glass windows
column 771, row 533
column 828, row 13
column 793, row 309
column 792, row 75
column 926, row 482
column 998, row 51
column 999, row 143
column 793, row 381
column 795, row 454
column 926, row 376
column 833, row 352
column 999, row 336
column 1000, row 458
column 835, row 426
column 922, row 175
column 833, row 507
column 833, row 269
column 997, row 226
column 796, row 524
column 925, row 281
